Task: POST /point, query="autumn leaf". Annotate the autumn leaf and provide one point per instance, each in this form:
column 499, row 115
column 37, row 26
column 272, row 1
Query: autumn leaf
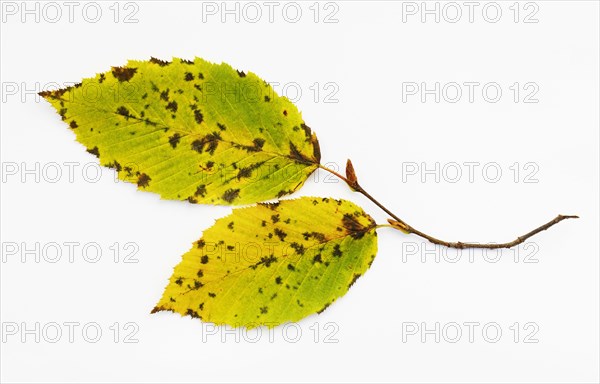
column 191, row 130
column 272, row 263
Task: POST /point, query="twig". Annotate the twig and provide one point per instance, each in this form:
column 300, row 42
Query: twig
column 399, row 224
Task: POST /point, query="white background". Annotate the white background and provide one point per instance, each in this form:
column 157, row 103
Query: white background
column 369, row 54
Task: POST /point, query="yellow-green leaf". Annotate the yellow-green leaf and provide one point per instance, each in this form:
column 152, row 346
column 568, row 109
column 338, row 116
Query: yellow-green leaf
column 272, row 263
column 191, row 130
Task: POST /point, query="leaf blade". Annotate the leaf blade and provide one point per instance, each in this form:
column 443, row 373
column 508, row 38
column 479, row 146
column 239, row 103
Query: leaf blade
column 264, row 265
column 193, row 131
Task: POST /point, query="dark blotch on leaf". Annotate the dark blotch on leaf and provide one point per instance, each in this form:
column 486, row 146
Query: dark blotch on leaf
column 299, row 248
column 172, row 106
column 143, row 180
column 94, row 151
column 324, row 308
column 164, row 95
column 337, row 251
column 354, row 278
column 123, row 73
column 209, row 143
column 123, row 111
column 354, row 228
column 200, row 190
column 198, row 116
column 192, row 313
column 278, row 280
column 162, row 63
column 231, row 194
column 204, row 259
column 296, row 155
column 281, row 234
column 188, row 76
column 174, row 140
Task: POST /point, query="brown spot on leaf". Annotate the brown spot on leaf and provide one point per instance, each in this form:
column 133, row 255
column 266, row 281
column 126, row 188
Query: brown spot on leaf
column 296, row 155
column 143, row 180
column 200, row 190
column 172, row 106
column 337, row 251
column 115, row 165
column 162, row 63
column 299, row 248
column 204, row 259
column 198, row 116
column 208, row 143
column 164, row 95
column 174, row 140
column 94, row 151
column 281, row 234
column 188, row 76
column 123, row 112
column 123, row 73
column 354, row 278
column 241, row 74
column 247, row 171
column 353, row 227
column 231, row 194
column 73, row 124
column 324, row 308
column 192, row 313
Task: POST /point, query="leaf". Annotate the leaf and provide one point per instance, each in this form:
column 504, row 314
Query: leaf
column 272, row 263
column 191, row 130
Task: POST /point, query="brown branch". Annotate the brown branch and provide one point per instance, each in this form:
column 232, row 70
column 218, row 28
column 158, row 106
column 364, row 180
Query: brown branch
column 399, row 224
